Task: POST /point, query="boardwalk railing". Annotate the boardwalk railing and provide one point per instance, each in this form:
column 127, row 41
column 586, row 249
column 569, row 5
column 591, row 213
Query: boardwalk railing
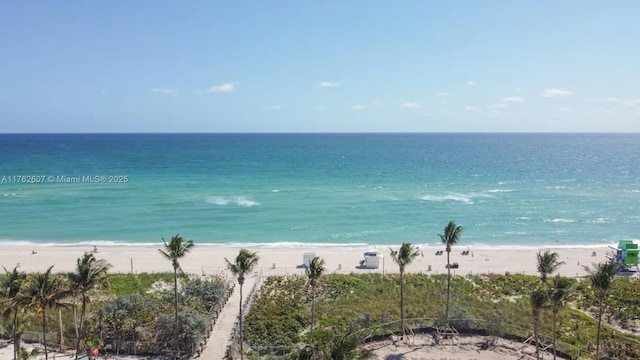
column 214, row 313
column 432, row 326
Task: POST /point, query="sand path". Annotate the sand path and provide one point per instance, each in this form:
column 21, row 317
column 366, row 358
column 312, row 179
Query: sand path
column 466, row 347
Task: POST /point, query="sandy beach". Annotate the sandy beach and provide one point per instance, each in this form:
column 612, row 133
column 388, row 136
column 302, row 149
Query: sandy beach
column 209, row 259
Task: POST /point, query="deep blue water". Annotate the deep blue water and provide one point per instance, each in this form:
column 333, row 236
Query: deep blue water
column 504, row 189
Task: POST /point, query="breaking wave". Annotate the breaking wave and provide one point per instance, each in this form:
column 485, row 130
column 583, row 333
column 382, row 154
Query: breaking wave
column 236, row 200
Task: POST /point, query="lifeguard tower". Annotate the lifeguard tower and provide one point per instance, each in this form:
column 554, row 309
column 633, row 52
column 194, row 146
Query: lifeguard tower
column 371, row 259
column 627, row 253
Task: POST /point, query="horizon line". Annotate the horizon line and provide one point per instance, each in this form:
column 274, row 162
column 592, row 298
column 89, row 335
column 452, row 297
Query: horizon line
column 329, row 133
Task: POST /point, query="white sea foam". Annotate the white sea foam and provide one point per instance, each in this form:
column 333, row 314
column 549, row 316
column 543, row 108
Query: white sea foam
column 515, row 233
column 523, row 218
column 448, row 197
column 352, row 235
column 237, row 200
column 495, row 191
column 477, row 245
column 557, row 187
column 246, row 202
column 218, row 200
column 509, row 182
column 559, row 220
column 275, row 190
column 451, row 196
column 600, row 220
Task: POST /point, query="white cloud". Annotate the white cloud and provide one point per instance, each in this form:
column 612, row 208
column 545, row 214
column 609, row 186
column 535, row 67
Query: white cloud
column 442, row 93
column 328, row 84
column 630, row 102
column 471, row 82
column 472, row 108
column 497, row 106
column 223, row 88
column 358, row 107
column 513, row 99
column 273, row 107
column 410, row 105
column 164, row 91
column 555, row 93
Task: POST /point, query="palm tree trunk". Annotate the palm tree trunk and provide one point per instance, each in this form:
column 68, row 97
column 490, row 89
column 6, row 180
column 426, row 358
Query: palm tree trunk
column 240, row 322
column 61, row 328
column 16, row 341
column 175, row 297
column 313, row 317
column 83, row 311
column 402, row 301
column 535, row 332
column 600, row 310
column 44, row 333
column 446, row 312
column 77, row 327
column 555, row 319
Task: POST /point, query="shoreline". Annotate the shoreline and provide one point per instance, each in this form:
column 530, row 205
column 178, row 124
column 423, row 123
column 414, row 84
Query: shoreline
column 284, row 261
column 298, row 245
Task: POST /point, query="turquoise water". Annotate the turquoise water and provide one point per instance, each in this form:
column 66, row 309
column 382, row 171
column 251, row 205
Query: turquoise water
column 505, row 189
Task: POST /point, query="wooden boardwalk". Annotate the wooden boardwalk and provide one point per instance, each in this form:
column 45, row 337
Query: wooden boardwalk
column 219, row 339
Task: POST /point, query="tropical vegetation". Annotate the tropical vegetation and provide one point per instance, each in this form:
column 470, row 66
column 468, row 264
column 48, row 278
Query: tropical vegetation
column 135, row 313
column 313, row 272
column 10, row 291
column 358, row 305
column 601, row 277
column 174, row 250
column 451, row 236
column 547, row 264
column 403, row 257
column 122, row 313
column 243, row 265
column 90, row 274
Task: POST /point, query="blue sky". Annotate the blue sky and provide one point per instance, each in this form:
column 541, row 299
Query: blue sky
column 321, row 66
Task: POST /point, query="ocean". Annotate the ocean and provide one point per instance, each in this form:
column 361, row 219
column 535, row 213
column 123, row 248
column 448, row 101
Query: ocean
column 506, row 190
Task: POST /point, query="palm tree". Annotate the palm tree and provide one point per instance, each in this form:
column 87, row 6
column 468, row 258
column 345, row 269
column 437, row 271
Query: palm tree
column 24, row 354
column 403, row 257
column 175, row 250
column 43, row 291
column 601, row 276
column 547, row 264
column 90, row 274
column 558, row 297
column 539, row 299
column 10, row 290
column 314, row 271
column 244, row 264
column 451, row 236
